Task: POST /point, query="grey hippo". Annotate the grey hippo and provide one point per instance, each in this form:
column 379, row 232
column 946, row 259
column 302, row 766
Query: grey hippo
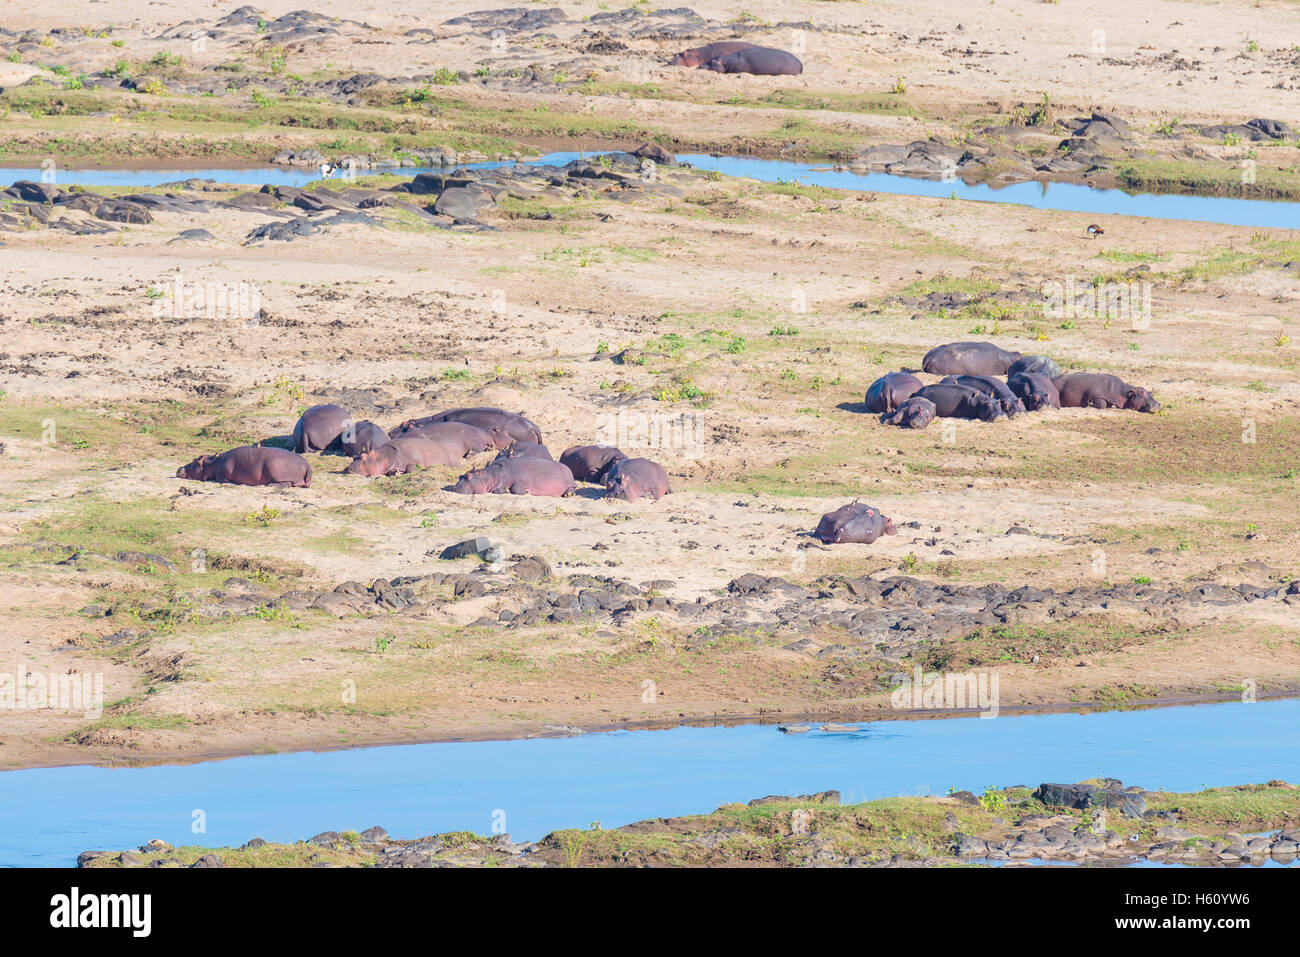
column 250, row 465
column 968, row 358
column 853, row 523
column 890, row 390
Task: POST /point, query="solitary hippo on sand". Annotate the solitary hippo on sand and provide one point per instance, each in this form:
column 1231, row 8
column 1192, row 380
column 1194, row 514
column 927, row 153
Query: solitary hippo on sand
column 915, row 413
column 1040, row 364
column 1097, row 390
column 631, row 479
column 887, row 392
column 250, row 465
column 319, row 427
column 1009, row 401
column 702, row 55
column 853, row 523
column 470, row 439
column 518, row 476
column 1035, row 391
column 525, row 450
column 361, row 437
column 403, row 454
column 952, row 401
column 589, row 463
column 506, row 427
column 968, row 358
column 760, row 61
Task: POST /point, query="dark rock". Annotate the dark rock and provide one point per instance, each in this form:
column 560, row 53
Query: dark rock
column 471, row 546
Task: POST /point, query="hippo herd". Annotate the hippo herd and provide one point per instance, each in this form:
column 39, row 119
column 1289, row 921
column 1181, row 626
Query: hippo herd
column 523, row 464
column 982, row 381
column 732, row 56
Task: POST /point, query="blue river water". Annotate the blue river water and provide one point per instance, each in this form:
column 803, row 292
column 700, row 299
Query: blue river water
column 1070, row 197
column 538, row 785
column 1060, row 196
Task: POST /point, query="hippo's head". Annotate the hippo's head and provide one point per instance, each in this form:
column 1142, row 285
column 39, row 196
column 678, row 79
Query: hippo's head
column 988, row 408
column 716, row 66
column 1036, row 399
column 1140, row 400
column 914, row 413
column 888, row 522
column 1012, row 407
column 372, row 462
column 689, row 58
column 477, row 482
column 196, row 469
column 621, row 485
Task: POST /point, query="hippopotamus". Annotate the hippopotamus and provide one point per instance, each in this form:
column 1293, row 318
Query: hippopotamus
column 915, row 412
column 521, row 475
column 1040, row 364
column 525, row 450
column 1036, row 391
column 968, row 358
column 505, row 427
column 1009, row 401
column 702, row 55
column 853, row 523
column 952, row 401
column 631, row 479
column 360, row 437
column 406, row 453
column 470, row 439
column 760, row 61
column 1097, row 390
column 319, row 427
column 589, row 463
column 250, row 465
column 890, row 389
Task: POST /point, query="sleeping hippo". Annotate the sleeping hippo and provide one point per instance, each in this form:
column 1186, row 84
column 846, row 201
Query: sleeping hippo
column 518, row 476
column 1097, row 390
column 589, row 463
column 759, row 61
column 853, row 523
column 968, row 358
column 525, row 450
column 319, row 427
column 403, row 454
column 699, row 56
column 470, row 439
column 915, row 413
column 1036, row 391
column 890, row 389
column 360, row 437
column 1009, row 401
column 631, row 479
column 505, row 427
column 250, row 465
column 952, row 401
column 1040, row 364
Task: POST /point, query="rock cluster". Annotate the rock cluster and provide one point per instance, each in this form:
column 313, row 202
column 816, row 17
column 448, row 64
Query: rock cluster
column 883, row 619
column 453, row 199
